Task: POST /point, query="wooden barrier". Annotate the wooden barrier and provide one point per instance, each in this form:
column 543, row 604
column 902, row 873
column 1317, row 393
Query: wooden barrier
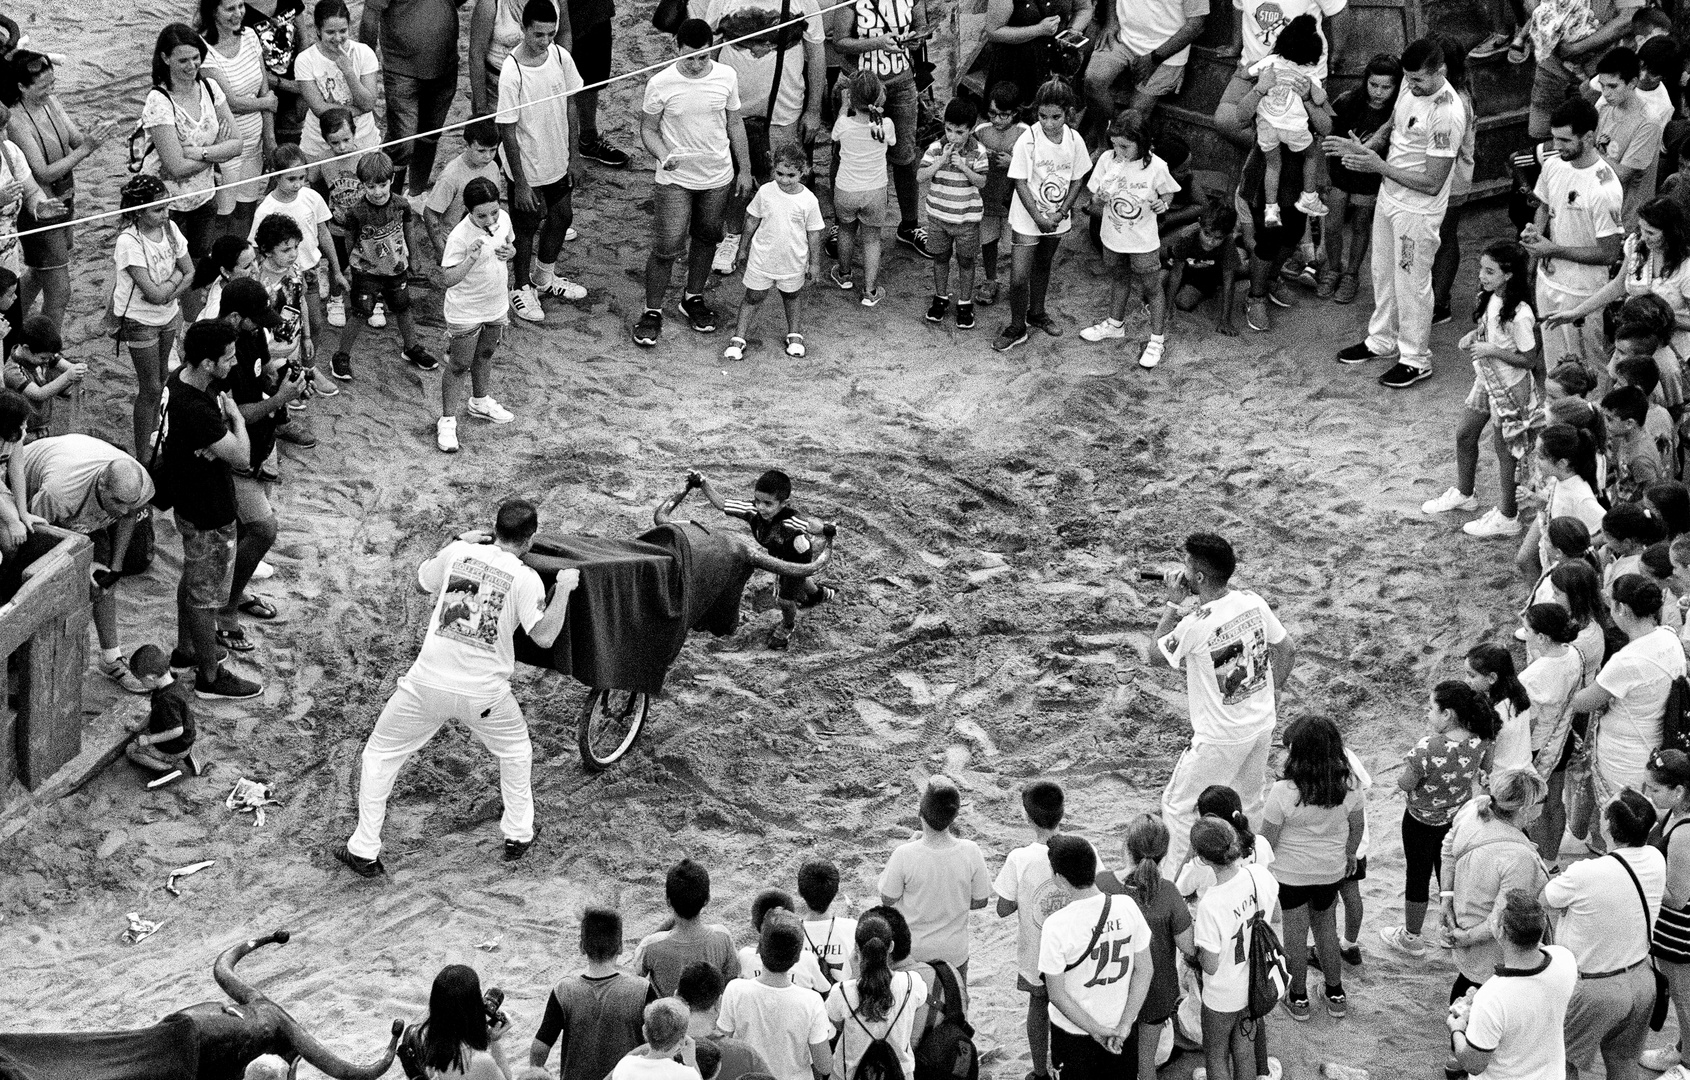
column 45, row 629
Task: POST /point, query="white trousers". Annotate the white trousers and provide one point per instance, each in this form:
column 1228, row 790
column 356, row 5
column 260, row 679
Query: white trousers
column 1240, row 766
column 1585, row 344
column 410, row 719
column 1404, row 244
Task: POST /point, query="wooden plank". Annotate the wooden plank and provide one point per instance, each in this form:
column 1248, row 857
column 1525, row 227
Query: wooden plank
column 50, row 712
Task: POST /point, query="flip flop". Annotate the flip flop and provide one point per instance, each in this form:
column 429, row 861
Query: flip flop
column 235, row 640
column 257, row 607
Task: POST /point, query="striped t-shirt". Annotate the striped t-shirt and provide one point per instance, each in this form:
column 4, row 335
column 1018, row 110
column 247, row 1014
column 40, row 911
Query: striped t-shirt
column 951, row 195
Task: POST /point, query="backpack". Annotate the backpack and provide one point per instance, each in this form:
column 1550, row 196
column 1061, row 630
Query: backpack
column 827, row 969
column 946, row 1050
column 1675, row 717
column 140, row 148
column 1268, row 974
column 880, row 1061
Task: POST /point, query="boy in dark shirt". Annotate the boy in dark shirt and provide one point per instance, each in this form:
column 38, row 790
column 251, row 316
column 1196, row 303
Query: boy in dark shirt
column 164, row 741
column 376, row 227
column 1202, row 260
column 777, row 527
column 594, row 1018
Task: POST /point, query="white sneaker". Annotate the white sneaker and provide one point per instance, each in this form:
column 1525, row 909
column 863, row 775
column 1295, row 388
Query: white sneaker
column 1400, row 940
column 378, row 316
column 1275, row 1070
column 1151, row 356
column 560, row 287
column 1270, row 216
column 1677, row 1072
column 337, row 311
column 118, row 672
column 1660, row 1060
column 1492, row 524
column 570, row 234
column 263, row 572
column 1449, row 501
column 726, row 252
column 446, row 434
column 735, row 349
column 1106, row 330
column 1309, row 203
column 526, row 303
column 488, row 409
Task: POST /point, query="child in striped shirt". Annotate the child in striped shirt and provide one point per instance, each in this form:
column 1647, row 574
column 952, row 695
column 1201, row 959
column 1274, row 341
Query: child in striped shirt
column 955, row 169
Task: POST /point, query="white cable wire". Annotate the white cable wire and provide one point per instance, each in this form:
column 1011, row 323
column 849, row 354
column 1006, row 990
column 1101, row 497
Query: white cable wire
column 104, row 214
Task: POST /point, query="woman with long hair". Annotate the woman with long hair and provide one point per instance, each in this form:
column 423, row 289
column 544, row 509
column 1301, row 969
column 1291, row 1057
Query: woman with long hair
column 879, row 1003
column 1668, row 789
column 54, row 145
column 457, row 1040
column 1218, row 800
column 190, row 130
column 1490, row 670
column 1169, row 918
column 235, row 61
column 1567, row 462
column 1314, row 819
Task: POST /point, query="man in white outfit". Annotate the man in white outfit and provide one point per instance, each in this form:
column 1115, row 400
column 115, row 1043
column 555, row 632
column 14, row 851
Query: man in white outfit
column 1236, row 656
column 1425, row 135
column 482, row 593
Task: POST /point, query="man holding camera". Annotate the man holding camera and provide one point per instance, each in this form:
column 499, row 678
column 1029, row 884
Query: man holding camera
column 482, row 592
column 1236, row 655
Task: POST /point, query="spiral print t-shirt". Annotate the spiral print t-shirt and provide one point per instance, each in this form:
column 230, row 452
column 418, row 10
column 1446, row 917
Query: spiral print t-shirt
column 1049, row 168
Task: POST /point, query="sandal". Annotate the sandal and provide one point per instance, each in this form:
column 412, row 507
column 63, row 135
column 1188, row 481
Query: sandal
column 1520, row 49
column 257, row 607
column 825, row 594
column 235, row 640
column 780, row 638
column 795, row 344
column 735, row 349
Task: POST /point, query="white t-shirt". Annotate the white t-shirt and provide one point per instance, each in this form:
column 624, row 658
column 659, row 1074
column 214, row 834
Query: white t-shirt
column 1584, row 206
column 1364, row 784
column 1603, row 922
column 781, row 246
column 482, row 593
column 933, row 882
column 1513, row 746
column 1026, row 880
column 1049, row 169
column 480, row 297
column 1100, row 975
column 1519, row 334
column 542, row 131
column 1147, row 24
column 1223, row 647
column 1196, row 877
column 1638, row 676
column 909, row 994
column 1571, row 497
column 1519, row 1018
column 757, row 73
column 1125, row 190
column 1423, row 128
column 313, row 67
column 640, row 1067
column 1221, row 925
column 1282, row 107
column 1264, row 19
column 694, row 123
column 780, row 1022
column 1550, row 682
column 750, row 962
column 308, row 211
column 862, row 157
column 158, row 258
column 830, row 941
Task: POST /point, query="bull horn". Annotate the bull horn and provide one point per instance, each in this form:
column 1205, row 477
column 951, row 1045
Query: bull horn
column 224, row 970
column 762, row 560
column 329, row 1063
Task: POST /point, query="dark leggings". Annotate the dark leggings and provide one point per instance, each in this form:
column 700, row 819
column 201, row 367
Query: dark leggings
column 1447, row 262
column 1422, row 853
column 544, row 231
column 1029, row 278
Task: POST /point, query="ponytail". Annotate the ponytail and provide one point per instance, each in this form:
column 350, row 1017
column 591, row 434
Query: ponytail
column 1220, row 801
column 874, row 979
column 225, row 254
column 1147, row 846
column 1574, row 445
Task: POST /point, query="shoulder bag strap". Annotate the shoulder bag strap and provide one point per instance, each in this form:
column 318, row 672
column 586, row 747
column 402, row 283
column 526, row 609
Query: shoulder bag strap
column 909, row 992
column 1642, row 898
column 1096, row 932
column 821, row 956
column 780, row 58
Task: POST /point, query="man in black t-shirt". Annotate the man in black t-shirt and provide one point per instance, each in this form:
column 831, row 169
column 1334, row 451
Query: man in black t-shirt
column 202, row 437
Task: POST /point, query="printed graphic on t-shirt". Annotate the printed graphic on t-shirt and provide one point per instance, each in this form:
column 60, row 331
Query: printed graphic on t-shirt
column 1239, row 651
column 381, row 247
column 1270, row 20
column 1051, row 896
column 474, row 601
column 1111, row 958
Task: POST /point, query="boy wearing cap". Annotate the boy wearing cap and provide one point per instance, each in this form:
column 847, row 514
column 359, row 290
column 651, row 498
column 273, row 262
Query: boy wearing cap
column 38, row 372
column 935, row 880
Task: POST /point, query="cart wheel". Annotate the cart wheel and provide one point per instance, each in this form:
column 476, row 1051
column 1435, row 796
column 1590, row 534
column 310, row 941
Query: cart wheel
column 609, row 724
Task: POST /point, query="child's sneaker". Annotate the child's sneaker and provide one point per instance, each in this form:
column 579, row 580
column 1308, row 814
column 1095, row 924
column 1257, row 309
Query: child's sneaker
column 117, row 671
column 795, row 346
column 1298, row 1007
column 1009, row 338
column 560, row 287
column 1152, row 354
column 1326, row 285
column 726, row 252
column 700, row 316
column 340, row 366
column 873, row 296
column 487, row 408
column 964, row 316
column 421, row 359
column 1493, row 523
column 936, row 310
column 1272, row 220
column 1400, row 940
column 526, row 303
column 841, row 277
column 649, row 326
column 1449, row 502
column 735, row 349
column 1309, row 203
column 1106, row 330
column 1337, row 1007
column 446, row 434
column 915, row 238
column 986, row 293
column 336, row 308
column 1348, row 286
column 378, row 316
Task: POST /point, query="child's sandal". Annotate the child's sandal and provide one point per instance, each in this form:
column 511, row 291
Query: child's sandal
column 795, row 345
column 735, row 349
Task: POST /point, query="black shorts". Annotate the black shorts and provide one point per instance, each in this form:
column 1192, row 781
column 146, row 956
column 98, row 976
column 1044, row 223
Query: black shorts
column 390, row 289
column 795, row 589
column 591, row 53
column 1317, row 897
column 1205, row 279
column 1081, row 1057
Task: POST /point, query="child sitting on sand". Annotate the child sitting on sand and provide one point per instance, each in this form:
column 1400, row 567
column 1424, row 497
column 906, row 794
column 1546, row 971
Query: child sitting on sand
column 38, row 372
column 776, row 526
column 165, row 740
column 782, row 249
column 1202, row 260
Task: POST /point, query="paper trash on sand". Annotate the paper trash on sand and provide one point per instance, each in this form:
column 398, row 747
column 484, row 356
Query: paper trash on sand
column 139, row 929
column 250, row 797
column 185, row 871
